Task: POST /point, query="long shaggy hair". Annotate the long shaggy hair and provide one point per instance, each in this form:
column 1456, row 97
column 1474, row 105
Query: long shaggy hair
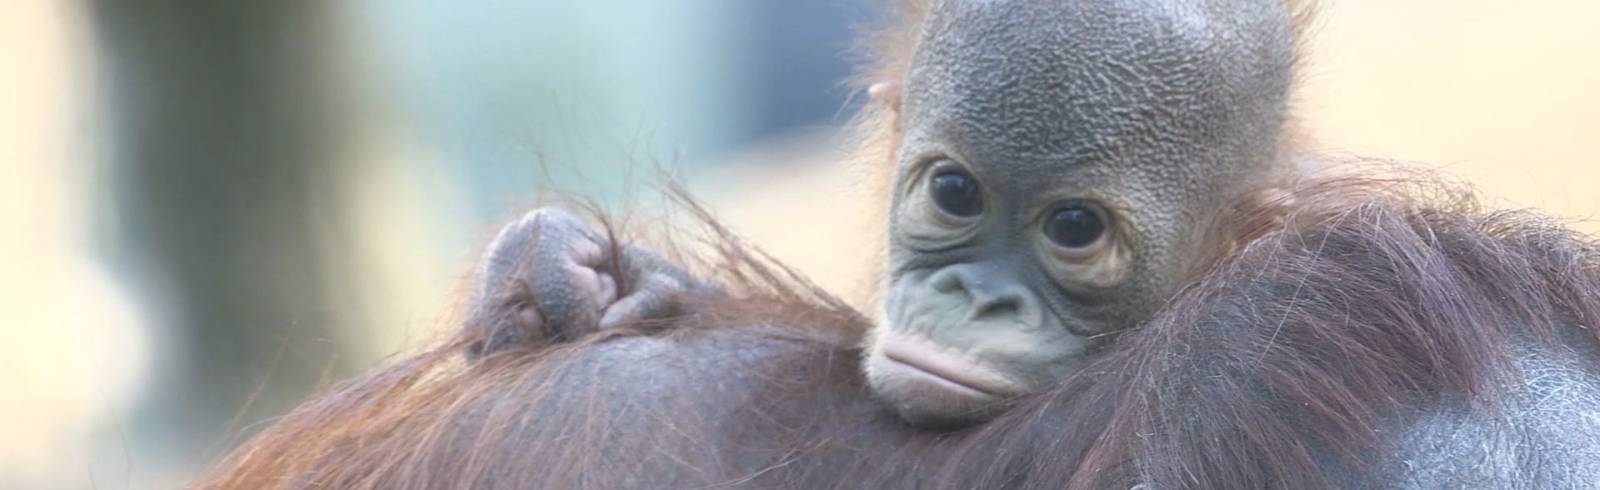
column 1357, row 300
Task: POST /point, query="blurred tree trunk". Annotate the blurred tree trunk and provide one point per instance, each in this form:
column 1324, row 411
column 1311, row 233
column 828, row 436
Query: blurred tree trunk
column 227, row 124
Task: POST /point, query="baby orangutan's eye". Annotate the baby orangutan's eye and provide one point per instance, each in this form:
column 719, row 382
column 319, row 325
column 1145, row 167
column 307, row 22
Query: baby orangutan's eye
column 1075, row 227
column 956, row 193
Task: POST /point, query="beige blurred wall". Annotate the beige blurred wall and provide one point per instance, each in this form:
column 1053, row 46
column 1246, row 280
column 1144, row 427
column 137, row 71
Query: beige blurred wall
column 72, row 353
column 77, row 347
column 1504, row 94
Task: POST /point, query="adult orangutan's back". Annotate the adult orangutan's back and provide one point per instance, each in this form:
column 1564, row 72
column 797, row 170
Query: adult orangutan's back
column 1365, row 340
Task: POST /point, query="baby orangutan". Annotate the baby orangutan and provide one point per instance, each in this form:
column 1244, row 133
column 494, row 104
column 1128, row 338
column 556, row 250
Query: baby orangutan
column 1053, row 163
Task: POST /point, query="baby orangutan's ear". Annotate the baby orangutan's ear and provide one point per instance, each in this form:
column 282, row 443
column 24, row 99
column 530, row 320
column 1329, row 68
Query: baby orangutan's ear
column 886, row 93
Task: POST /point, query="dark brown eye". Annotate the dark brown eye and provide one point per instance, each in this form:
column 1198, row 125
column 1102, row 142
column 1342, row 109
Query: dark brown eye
column 956, row 193
column 1075, row 227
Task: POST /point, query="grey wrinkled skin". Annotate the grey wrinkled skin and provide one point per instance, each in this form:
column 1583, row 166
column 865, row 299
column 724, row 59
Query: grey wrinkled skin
column 1155, row 111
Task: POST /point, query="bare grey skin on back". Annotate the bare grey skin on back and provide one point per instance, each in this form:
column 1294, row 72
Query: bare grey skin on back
column 1544, row 431
column 1056, row 157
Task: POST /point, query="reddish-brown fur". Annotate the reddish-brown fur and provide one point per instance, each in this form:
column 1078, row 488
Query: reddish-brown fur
column 1359, row 299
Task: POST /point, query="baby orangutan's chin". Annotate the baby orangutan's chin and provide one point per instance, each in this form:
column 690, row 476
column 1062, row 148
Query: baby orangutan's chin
column 930, row 388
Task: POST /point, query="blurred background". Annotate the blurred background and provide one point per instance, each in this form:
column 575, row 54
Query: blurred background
column 210, row 209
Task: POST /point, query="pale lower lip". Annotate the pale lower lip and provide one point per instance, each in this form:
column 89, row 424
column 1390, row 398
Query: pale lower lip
column 946, row 376
column 943, row 382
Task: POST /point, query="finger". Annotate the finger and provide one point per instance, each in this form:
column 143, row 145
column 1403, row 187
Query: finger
column 523, row 320
column 570, row 295
column 656, row 296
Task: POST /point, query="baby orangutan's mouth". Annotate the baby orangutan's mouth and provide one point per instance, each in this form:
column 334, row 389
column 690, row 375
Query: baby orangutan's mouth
column 953, row 375
column 929, row 386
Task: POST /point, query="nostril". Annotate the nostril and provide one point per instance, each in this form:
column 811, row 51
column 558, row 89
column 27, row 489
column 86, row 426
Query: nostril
column 995, row 304
column 985, row 293
column 946, row 281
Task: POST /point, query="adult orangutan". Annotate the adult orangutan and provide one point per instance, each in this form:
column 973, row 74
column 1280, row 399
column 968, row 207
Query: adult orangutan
column 1100, row 253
